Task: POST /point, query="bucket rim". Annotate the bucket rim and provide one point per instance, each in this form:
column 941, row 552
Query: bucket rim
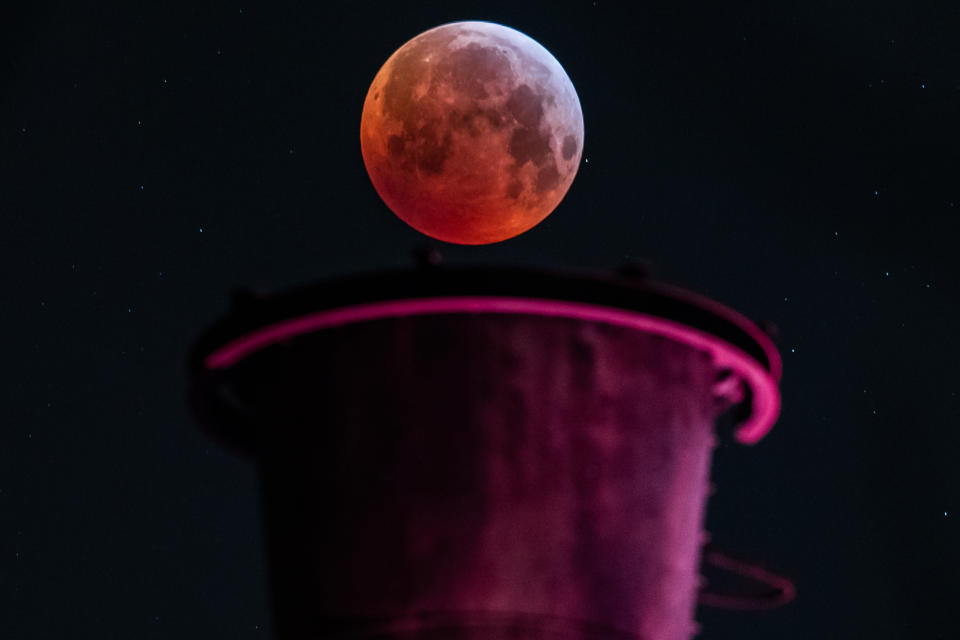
column 257, row 321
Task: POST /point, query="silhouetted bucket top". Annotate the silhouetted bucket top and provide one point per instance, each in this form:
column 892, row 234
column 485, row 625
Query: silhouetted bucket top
column 260, row 321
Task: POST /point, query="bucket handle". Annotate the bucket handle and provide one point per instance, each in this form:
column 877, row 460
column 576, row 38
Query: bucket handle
column 781, row 589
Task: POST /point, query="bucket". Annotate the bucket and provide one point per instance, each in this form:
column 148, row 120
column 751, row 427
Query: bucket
column 454, row 454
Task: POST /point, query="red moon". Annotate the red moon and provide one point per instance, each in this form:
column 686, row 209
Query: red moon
column 471, row 132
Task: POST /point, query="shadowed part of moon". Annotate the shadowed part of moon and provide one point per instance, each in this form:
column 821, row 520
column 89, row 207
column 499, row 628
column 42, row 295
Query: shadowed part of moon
column 465, row 128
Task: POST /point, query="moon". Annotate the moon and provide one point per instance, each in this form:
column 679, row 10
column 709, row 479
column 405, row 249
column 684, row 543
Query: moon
column 471, row 133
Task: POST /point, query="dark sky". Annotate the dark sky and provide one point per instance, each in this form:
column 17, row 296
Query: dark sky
column 799, row 163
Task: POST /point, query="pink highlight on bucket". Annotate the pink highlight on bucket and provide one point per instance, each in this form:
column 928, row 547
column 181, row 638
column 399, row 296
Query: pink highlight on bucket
column 762, row 383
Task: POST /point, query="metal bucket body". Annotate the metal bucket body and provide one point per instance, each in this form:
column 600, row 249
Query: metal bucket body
column 499, row 464
column 483, row 454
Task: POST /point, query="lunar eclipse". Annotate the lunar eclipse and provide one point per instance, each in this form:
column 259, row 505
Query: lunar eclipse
column 471, row 133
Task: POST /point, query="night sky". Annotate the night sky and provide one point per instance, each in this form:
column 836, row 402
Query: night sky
column 798, row 163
